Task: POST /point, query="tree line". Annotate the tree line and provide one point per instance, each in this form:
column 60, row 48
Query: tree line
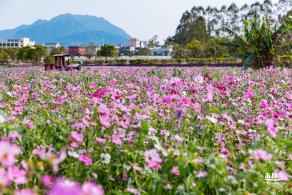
column 214, row 32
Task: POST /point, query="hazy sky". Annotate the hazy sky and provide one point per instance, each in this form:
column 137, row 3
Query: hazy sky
column 140, row 18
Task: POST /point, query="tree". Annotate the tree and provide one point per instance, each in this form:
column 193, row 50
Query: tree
column 12, row 53
column 153, row 42
column 216, row 47
column 260, row 45
column 108, row 51
column 49, row 60
column 195, row 48
column 38, row 53
column 3, row 57
column 192, row 27
column 143, row 52
column 58, row 50
column 25, row 54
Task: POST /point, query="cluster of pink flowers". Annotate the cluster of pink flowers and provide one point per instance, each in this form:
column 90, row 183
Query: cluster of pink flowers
column 65, row 186
column 10, row 172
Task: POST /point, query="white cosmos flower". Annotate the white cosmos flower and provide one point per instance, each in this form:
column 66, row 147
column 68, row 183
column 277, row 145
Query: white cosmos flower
column 105, row 158
column 2, row 119
column 212, row 119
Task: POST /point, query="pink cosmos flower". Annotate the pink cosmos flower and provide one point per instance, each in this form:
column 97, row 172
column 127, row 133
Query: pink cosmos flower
column 47, row 180
column 3, row 179
column 89, row 188
column 92, row 85
column 264, row 104
column 25, row 192
column 153, row 159
column 8, row 153
column 175, row 170
column 282, row 175
column 270, row 125
column 16, row 175
column 104, row 116
column 197, row 107
column 85, row 160
column 249, row 94
column 29, row 124
column 202, row 174
column 210, row 93
column 77, row 136
column 100, row 140
column 262, row 155
column 116, row 139
column 133, row 191
column 199, row 160
column 64, row 187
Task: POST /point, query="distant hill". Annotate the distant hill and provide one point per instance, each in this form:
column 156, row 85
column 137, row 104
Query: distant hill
column 70, row 29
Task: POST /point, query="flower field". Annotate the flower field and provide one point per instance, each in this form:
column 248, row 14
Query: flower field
column 145, row 131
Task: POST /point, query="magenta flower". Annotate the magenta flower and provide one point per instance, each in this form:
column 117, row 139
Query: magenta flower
column 175, row 170
column 249, row 94
column 262, row 155
column 264, row 104
column 47, row 180
column 85, row 160
column 99, row 93
column 89, row 188
column 64, row 186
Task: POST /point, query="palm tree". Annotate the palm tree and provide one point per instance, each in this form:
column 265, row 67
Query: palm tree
column 261, row 43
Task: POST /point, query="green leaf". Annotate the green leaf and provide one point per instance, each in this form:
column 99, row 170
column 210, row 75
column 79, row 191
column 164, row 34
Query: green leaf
column 144, row 127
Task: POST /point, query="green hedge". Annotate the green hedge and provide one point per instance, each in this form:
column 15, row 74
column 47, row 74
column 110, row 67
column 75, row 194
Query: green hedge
column 165, row 61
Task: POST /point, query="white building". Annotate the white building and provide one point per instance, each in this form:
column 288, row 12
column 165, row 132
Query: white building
column 135, row 43
column 50, row 46
column 16, row 43
column 161, row 51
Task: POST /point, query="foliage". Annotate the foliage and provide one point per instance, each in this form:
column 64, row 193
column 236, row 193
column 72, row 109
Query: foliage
column 49, row 60
column 12, row 53
column 107, row 51
column 3, row 57
column 195, row 48
column 38, row 53
column 261, row 43
column 145, row 131
column 153, row 42
column 31, row 54
column 58, row 50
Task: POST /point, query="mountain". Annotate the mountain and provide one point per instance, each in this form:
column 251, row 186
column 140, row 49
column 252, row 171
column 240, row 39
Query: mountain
column 70, row 29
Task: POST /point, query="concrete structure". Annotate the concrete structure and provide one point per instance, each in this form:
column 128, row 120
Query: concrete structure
column 77, row 50
column 161, row 51
column 17, row 43
column 135, row 43
column 50, row 46
column 92, row 49
column 126, row 50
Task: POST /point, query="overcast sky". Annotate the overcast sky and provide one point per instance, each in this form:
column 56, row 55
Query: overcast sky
column 140, row 18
